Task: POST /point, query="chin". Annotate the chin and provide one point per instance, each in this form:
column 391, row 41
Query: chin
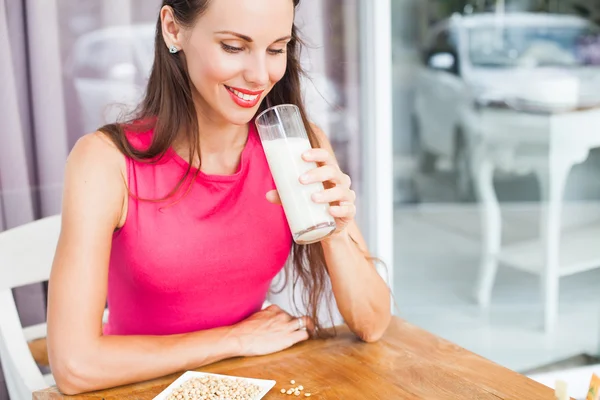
column 241, row 116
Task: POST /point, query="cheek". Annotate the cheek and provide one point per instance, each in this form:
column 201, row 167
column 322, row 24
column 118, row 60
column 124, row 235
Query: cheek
column 210, row 68
column 277, row 70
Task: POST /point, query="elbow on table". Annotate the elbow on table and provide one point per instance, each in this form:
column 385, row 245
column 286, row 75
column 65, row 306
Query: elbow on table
column 375, row 331
column 70, row 376
column 371, row 335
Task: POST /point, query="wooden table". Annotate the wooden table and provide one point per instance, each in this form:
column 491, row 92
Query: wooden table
column 408, row 363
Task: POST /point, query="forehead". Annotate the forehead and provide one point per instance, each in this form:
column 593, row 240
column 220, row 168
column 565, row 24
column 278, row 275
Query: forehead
column 259, row 19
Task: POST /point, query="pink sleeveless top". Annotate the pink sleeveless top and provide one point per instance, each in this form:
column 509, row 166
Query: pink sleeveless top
column 202, row 259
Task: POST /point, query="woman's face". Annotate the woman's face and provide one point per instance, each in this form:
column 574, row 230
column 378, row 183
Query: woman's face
column 236, row 53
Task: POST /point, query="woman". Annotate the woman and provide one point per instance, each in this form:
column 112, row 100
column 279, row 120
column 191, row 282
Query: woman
column 165, row 217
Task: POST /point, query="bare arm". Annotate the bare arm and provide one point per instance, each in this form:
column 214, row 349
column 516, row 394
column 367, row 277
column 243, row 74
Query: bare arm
column 362, row 296
column 81, row 358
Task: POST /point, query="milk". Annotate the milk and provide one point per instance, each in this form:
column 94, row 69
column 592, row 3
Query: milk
column 308, row 221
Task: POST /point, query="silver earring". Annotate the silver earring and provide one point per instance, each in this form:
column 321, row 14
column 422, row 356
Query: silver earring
column 173, row 49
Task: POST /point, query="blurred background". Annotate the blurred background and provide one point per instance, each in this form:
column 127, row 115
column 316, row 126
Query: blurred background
column 478, row 178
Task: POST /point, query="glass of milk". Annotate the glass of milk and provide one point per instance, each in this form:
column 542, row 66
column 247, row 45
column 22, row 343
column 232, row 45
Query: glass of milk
column 284, row 140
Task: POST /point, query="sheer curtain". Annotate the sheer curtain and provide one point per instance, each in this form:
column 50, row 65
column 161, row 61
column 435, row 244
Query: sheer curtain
column 19, row 173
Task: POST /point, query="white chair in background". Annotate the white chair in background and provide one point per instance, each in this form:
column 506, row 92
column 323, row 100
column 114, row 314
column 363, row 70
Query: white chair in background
column 26, row 255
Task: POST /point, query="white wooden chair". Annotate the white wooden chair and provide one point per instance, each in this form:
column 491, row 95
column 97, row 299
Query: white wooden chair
column 26, row 255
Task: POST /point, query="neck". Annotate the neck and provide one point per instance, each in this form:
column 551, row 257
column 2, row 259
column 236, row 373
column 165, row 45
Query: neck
column 218, row 136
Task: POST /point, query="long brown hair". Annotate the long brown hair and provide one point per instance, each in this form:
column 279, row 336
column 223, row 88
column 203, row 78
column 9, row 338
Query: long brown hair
column 168, row 109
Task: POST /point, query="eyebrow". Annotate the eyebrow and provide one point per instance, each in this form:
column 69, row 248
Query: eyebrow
column 248, row 38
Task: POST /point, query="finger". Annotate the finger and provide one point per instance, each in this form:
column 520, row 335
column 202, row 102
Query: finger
column 298, row 336
column 266, row 304
column 320, row 156
column 323, row 174
column 344, row 210
column 300, row 323
column 335, row 194
column 310, row 325
column 285, row 317
column 273, row 308
column 273, row 197
column 346, row 181
column 278, row 314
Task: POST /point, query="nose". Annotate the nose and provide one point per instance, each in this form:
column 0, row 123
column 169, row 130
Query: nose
column 257, row 71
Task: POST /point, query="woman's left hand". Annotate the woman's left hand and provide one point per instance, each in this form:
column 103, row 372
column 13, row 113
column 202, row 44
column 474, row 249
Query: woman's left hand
column 337, row 187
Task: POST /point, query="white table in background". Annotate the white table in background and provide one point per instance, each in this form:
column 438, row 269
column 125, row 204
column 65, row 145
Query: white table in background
column 548, row 144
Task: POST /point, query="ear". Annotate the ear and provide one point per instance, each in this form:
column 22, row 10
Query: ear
column 171, row 31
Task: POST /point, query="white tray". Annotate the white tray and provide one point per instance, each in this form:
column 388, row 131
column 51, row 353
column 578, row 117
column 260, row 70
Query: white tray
column 264, row 385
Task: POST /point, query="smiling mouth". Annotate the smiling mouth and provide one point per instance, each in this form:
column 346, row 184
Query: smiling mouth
column 243, row 96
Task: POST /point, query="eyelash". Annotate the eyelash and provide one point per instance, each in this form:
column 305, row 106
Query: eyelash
column 233, row 50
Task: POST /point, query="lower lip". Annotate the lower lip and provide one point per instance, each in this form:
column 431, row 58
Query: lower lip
column 242, row 102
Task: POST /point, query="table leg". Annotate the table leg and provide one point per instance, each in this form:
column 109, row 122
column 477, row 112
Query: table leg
column 491, row 231
column 552, row 186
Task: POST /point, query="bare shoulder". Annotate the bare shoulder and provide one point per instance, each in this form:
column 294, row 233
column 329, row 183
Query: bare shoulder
column 95, row 177
column 95, row 148
column 97, row 153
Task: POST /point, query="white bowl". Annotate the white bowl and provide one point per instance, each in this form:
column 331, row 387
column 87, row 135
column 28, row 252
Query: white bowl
column 264, row 385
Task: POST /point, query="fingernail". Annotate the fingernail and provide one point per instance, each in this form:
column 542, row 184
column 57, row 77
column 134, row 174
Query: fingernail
column 304, row 178
column 335, row 208
column 317, row 197
column 307, row 155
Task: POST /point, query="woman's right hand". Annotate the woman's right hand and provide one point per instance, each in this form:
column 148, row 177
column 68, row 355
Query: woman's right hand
column 271, row 330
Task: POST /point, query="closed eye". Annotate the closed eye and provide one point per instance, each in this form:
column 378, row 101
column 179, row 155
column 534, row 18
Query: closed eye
column 231, row 49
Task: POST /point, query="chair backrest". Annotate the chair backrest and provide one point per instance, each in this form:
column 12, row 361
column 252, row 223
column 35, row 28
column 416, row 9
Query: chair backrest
column 26, row 255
